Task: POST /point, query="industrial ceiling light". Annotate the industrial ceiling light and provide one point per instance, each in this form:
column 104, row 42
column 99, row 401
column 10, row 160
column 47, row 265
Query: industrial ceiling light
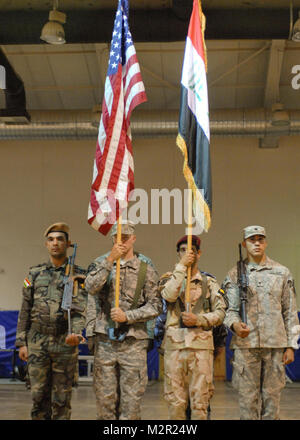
column 294, row 33
column 296, row 30
column 280, row 117
column 53, row 31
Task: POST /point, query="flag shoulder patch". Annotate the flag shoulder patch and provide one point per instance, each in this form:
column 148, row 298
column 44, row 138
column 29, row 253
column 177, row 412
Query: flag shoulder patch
column 27, row 283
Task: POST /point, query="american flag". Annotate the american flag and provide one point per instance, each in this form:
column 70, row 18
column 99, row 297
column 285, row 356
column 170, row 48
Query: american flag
column 113, row 177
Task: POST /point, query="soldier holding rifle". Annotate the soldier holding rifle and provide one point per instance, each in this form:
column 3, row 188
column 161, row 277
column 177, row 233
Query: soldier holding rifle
column 262, row 315
column 47, row 333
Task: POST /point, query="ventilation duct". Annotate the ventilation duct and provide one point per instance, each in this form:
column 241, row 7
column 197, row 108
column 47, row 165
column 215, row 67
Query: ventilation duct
column 83, row 124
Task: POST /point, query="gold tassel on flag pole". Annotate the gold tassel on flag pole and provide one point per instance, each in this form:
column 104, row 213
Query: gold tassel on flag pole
column 117, row 291
column 189, row 248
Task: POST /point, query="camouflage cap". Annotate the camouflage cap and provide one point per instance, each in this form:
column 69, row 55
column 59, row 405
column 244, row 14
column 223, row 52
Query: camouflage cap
column 57, row 227
column 249, row 231
column 127, row 228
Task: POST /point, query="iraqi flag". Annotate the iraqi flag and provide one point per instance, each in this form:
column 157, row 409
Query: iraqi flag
column 193, row 127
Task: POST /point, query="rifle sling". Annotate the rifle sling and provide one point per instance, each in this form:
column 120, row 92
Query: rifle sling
column 139, row 285
column 199, row 304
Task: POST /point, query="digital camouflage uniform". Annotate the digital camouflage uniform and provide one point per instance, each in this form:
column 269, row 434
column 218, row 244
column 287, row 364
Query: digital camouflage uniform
column 188, row 352
column 120, row 368
column 258, row 369
column 42, row 327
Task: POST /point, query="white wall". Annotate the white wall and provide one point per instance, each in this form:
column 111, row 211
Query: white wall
column 42, row 182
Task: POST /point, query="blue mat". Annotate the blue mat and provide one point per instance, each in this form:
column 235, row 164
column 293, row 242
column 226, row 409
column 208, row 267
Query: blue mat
column 8, row 324
column 8, row 328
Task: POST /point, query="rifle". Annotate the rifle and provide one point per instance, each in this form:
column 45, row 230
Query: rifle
column 68, row 281
column 242, row 281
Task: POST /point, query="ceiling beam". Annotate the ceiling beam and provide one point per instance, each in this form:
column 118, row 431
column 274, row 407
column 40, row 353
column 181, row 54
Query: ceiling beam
column 272, row 94
column 241, row 63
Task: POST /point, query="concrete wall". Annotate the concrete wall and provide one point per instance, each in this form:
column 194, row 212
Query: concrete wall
column 46, row 181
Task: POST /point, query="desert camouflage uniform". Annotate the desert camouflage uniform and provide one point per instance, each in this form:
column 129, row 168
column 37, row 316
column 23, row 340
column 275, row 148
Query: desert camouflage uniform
column 120, row 368
column 43, row 329
column 258, row 369
column 188, row 352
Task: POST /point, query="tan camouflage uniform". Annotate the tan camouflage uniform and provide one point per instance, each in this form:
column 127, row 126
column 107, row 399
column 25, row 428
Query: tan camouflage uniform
column 258, row 369
column 188, row 352
column 120, row 368
column 43, row 329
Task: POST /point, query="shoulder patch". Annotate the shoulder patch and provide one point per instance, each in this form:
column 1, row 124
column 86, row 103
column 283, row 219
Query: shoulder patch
column 221, row 291
column 93, row 265
column 79, row 270
column 163, row 280
column 27, row 283
column 208, row 274
column 34, row 272
column 91, row 268
column 291, row 283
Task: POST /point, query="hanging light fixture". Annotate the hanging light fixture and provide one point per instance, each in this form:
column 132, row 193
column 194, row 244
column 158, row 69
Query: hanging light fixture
column 53, row 31
column 296, row 30
column 294, row 33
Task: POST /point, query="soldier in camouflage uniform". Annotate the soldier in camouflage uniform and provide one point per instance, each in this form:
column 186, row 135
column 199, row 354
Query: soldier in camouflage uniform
column 188, row 341
column 267, row 342
column 120, row 367
column 42, row 332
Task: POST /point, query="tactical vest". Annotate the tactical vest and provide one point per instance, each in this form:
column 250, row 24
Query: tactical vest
column 145, row 261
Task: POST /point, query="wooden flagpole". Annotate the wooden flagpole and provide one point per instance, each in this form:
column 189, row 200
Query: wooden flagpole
column 189, row 247
column 117, row 291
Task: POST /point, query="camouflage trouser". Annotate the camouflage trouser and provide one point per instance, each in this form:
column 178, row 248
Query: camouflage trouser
column 120, row 377
column 51, row 367
column 259, row 376
column 188, row 376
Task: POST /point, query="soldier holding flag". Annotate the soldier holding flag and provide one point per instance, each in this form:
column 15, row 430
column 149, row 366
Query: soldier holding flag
column 188, row 342
column 120, row 365
column 120, row 357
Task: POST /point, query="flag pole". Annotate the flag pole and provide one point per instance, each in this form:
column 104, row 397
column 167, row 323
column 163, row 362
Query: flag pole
column 189, row 247
column 117, row 291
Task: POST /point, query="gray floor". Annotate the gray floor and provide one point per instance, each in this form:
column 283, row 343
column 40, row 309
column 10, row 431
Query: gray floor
column 15, row 402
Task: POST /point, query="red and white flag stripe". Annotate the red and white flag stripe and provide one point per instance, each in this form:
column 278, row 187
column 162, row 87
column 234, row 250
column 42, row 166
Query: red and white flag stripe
column 113, row 175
